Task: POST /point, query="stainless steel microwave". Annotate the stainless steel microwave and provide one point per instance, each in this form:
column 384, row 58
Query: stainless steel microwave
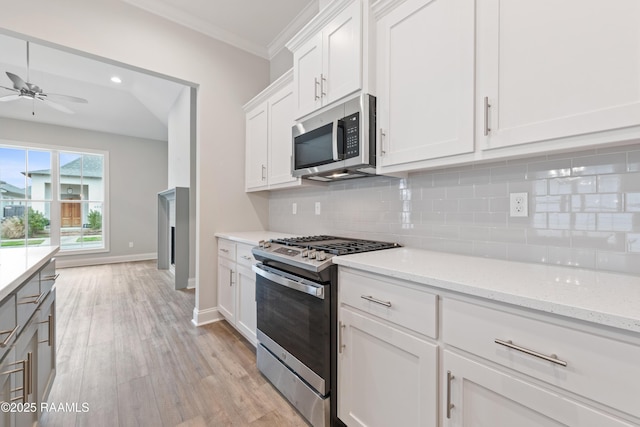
column 339, row 143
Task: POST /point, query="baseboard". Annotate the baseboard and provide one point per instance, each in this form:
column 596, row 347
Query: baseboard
column 203, row 317
column 191, row 284
column 62, row 262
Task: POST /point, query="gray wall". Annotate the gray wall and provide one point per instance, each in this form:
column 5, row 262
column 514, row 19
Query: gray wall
column 137, row 172
column 280, row 64
column 584, row 209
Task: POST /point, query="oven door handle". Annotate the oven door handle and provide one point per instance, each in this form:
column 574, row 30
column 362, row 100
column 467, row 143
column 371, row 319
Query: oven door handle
column 302, row 286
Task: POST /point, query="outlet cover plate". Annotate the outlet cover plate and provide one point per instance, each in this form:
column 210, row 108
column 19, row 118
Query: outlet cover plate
column 518, row 205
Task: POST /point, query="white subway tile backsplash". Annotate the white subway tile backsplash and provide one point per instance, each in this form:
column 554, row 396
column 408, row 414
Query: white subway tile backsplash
column 584, row 209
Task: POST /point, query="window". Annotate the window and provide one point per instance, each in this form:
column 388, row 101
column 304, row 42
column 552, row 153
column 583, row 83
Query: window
column 66, row 207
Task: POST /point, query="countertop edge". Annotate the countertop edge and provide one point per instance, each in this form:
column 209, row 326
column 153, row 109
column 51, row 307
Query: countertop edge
column 251, row 237
column 592, row 316
column 21, row 278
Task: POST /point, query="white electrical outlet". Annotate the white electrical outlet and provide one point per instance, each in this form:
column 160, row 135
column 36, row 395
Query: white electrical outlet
column 317, row 208
column 130, row 244
column 518, row 204
column 294, row 208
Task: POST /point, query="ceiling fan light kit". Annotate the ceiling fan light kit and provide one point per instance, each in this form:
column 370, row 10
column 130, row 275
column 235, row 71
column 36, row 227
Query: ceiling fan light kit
column 27, row 90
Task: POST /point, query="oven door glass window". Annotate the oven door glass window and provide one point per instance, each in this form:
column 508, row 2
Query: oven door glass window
column 297, row 321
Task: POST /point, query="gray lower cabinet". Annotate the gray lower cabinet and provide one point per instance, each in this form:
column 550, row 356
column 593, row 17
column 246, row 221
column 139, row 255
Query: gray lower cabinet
column 27, row 348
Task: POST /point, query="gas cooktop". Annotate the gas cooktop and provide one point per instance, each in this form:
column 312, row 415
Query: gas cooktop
column 314, row 252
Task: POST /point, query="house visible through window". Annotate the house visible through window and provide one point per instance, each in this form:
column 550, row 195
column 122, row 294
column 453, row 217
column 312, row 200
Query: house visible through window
column 65, row 207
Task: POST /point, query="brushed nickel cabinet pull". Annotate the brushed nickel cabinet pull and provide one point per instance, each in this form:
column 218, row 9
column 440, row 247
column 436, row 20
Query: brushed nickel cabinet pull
column 450, row 405
column 248, row 258
column 35, row 301
column 551, row 358
column 224, row 250
column 230, row 277
column 52, row 277
column 29, row 376
column 49, row 321
column 377, row 301
column 382, row 138
column 322, row 82
column 487, row 129
column 11, row 334
column 26, row 387
column 340, row 329
column 264, row 170
column 315, row 88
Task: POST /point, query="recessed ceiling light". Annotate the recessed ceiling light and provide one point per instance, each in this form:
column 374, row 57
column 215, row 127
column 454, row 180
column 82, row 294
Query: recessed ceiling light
column 116, row 79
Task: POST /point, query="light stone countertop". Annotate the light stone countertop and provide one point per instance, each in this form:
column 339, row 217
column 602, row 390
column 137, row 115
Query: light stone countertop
column 594, row 296
column 18, row 264
column 252, row 237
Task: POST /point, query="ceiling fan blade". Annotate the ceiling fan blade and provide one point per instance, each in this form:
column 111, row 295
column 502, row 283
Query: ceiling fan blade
column 58, row 97
column 55, row 105
column 18, row 83
column 9, row 98
column 9, row 88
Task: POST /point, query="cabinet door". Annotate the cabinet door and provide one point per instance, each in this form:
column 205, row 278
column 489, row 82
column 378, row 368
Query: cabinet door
column 556, row 69
column 27, row 350
column 256, row 148
column 425, row 64
column 484, row 396
column 342, row 54
column 280, row 144
column 246, row 294
column 6, row 385
column 386, row 377
column 46, row 346
column 307, row 67
column 226, row 289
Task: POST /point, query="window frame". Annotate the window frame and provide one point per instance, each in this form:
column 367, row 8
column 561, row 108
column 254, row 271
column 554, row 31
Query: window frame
column 56, row 201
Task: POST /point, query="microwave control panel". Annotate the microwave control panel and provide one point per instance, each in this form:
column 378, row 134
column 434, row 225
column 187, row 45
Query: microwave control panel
column 351, row 135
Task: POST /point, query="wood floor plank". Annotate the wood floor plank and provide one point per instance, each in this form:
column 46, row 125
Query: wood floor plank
column 127, row 347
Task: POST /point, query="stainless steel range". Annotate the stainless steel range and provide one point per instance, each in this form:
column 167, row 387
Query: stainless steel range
column 296, row 298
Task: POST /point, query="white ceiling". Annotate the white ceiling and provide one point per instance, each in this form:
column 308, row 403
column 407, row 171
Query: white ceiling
column 140, row 105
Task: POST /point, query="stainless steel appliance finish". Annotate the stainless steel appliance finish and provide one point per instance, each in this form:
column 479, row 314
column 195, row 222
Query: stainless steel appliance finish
column 296, row 298
column 339, row 143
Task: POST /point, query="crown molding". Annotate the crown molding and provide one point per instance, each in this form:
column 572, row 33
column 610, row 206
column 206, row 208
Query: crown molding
column 200, row 25
column 306, row 15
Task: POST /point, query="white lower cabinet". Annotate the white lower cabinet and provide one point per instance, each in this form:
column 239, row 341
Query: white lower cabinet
column 415, row 355
column 479, row 395
column 386, row 376
column 237, row 287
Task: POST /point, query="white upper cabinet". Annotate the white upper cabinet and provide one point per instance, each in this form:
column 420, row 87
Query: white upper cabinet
column 280, row 145
column 327, row 57
column 552, row 70
column 256, row 148
column 269, row 119
column 425, row 81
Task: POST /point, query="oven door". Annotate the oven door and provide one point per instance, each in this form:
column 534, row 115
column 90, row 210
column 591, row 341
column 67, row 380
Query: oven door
column 294, row 323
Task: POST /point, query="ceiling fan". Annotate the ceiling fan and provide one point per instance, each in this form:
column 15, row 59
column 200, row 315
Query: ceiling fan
column 32, row 91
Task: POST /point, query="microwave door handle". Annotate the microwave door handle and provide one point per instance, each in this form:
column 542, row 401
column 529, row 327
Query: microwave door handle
column 334, row 138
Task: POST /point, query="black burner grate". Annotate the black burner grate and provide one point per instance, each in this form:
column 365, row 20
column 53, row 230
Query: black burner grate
column 336, row 245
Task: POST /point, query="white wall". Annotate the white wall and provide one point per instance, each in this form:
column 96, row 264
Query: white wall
column 280, row 64
column 227, row 78
column 137, row 172
column 179, row 144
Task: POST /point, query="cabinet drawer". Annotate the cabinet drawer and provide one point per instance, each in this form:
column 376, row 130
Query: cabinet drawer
column 48, row 276
column 8, row 328
column 599, row 368
column 244, row 255
column 412, row 308
column 27, row 300
column 227, row 249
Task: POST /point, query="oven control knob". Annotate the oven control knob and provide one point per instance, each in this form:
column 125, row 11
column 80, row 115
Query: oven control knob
column 304, row 253
column 267, row 244
column 312, row 254
column 321, row 256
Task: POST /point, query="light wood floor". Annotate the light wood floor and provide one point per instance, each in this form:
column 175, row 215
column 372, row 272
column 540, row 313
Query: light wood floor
column 127, row 347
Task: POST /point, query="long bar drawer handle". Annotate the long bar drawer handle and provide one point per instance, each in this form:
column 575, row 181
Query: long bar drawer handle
column 11, row 334
column 377, row 301
column 551, row 358
column 248, row 258
column 52, row 277
column 224, row 250
column 35, row 301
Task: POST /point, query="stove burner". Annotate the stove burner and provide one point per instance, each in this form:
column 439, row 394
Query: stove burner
column 335, row 245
